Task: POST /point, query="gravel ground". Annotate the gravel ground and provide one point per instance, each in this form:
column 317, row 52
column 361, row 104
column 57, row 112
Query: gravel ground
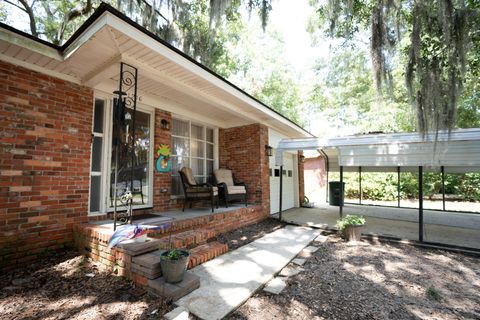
column 374, row 281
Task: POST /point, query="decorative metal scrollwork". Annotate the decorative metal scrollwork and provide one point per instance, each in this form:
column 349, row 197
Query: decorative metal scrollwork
column 126, row 98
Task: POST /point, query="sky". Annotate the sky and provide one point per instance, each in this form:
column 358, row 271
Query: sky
column 290, row 19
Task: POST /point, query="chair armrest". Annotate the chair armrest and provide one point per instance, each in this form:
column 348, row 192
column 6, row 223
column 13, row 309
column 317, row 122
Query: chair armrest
column 223, row 186
column 205, row 184
column 240, row 184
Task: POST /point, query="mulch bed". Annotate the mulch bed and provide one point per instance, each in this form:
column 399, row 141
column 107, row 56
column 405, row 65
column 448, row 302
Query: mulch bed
column 68, row 286
column 243, row 236
column 374, row 281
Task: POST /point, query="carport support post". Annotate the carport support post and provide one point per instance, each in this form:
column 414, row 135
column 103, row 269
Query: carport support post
column 443, row 187
column 398, row 186
column 360, row 184
column 281, row 187
column 341, row 192
column 420, row 203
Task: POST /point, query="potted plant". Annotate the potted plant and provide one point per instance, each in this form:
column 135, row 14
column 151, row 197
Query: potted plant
column 174, row 262
column 351, row 226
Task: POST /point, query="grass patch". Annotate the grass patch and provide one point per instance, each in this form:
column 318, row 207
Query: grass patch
column 433, row 293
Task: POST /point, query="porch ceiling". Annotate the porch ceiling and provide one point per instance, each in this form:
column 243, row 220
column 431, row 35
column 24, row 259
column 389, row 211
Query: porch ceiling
column 166, row 79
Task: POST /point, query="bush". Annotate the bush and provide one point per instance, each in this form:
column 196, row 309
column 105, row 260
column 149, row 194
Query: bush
column 383, row 185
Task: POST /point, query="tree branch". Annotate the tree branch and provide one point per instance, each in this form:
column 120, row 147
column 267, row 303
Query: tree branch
column 72, row 15
column 31, row 16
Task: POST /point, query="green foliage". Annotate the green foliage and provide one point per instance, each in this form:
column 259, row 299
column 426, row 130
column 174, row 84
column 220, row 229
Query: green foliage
column 265, row 74
column 282, row 94
column 344, row 94
column 433, row 293
column 383, row 186
column 350, row 220
column 434, row 44
column 174, row 254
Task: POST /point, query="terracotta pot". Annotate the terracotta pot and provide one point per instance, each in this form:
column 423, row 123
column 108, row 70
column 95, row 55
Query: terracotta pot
column 174, row 270
column 353, row 232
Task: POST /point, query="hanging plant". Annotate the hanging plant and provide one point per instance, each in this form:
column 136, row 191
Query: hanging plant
column 163, row 162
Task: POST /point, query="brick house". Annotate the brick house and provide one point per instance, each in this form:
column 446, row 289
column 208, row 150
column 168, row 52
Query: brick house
column 56, row 107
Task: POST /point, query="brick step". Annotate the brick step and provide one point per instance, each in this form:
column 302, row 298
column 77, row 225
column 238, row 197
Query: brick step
column 206, row 252
column 147, row 266
column 188, row 239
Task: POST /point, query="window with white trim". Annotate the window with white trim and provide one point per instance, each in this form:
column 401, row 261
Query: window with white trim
column 193, row 146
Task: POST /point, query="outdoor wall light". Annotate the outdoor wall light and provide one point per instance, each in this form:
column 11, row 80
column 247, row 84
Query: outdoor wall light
column 301, row 158
column 165, row 124
column 268, row 150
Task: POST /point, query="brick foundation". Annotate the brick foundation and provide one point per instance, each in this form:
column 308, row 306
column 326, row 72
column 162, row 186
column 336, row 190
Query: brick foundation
column 92, row 240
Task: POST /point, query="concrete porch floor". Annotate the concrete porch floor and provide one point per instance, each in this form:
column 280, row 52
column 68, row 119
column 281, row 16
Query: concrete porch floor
column 452, row 228
column 176, row 215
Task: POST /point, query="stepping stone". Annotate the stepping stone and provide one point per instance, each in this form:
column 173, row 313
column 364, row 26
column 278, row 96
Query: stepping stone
column 299, row 261
column 290, row 271
column 174, row 291
column 275, row 286
column 321, row 239
column 310, row 249
column 179, row 313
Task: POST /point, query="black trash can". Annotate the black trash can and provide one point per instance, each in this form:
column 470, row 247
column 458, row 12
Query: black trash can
column 334, row 195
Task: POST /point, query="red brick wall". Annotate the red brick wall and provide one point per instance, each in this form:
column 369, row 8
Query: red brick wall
column 161, row 180
column 315, row 179
column 45, row 133
column 301, row 179
column 242, row 149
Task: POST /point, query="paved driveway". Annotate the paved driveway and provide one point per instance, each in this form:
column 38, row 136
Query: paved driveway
column 461, row 229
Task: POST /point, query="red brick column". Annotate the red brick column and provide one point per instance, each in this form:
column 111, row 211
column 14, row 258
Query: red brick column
column 161, row 200
column 301, row 177
column 242, row 149
column 45, row 134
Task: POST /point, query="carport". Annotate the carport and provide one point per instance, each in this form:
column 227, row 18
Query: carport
column 456, row 151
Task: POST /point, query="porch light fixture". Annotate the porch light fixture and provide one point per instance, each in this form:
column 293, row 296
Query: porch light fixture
column 165, row 124
column 301, row 158
column 268, row 150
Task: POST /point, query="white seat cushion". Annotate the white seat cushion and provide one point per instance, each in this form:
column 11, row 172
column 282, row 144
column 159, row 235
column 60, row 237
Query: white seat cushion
column 236, row 190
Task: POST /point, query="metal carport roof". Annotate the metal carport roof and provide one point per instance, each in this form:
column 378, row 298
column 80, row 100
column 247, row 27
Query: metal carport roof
column 458, row 150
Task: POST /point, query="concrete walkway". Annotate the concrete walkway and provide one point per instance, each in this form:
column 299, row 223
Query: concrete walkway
column 229, row 280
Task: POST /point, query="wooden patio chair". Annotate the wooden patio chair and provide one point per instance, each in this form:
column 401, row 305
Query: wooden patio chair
column 229, row 188
column 194, row 191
